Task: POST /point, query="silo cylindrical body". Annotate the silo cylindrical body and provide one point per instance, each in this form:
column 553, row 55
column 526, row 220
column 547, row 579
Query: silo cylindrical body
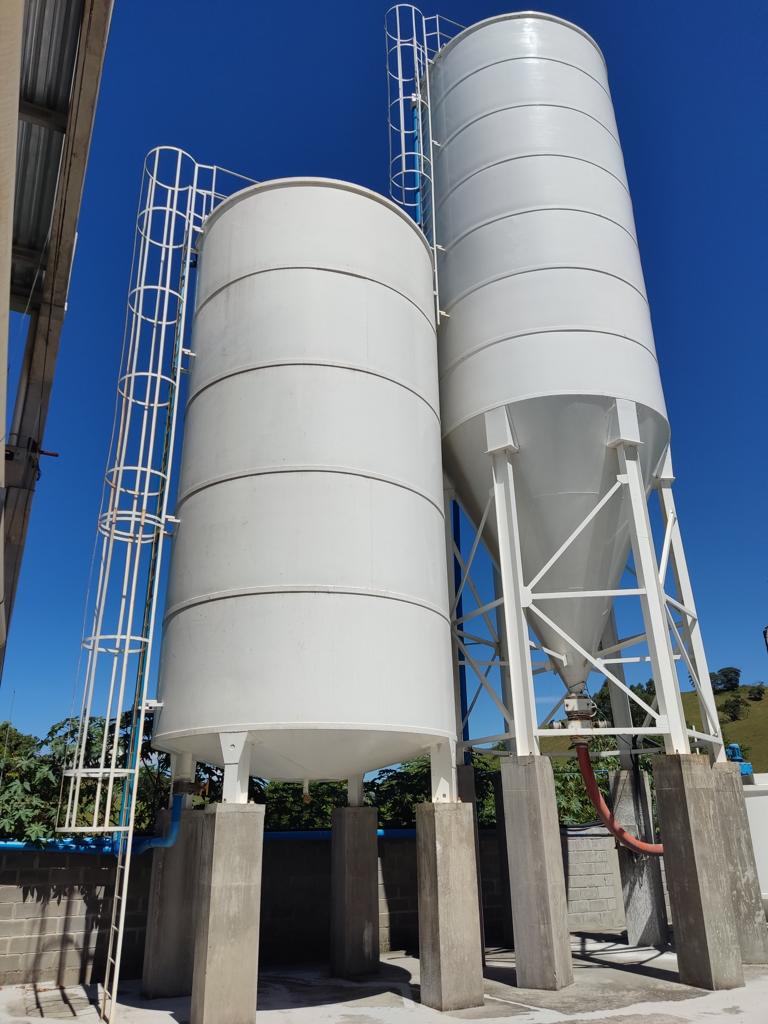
column 542, row 281
column 307, row 601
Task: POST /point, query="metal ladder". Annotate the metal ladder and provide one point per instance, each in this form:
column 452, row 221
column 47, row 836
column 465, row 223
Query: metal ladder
column 177, row 195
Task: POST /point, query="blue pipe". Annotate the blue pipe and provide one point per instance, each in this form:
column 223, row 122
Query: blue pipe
column 170, row 837
column 144, row 843
column 325, row 834
column 61, row 845
column 106, row 845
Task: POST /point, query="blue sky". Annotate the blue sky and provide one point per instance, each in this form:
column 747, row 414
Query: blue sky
column 272, row 90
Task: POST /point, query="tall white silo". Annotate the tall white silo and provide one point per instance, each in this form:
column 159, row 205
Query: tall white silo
column 307, row 609
column 546, row 349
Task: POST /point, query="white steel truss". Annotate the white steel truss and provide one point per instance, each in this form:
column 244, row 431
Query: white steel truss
column 506, row 672
column 99, row 796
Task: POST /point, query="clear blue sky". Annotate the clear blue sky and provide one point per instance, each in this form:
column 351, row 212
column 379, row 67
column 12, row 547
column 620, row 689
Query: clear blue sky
column 274, row 89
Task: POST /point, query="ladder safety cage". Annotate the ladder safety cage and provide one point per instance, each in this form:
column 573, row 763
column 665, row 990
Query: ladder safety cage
column 101, row 782
column 412, row 41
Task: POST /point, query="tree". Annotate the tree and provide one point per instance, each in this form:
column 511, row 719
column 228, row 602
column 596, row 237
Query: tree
column 756, row 692
column 725, row 680
column 288, row 810
column 735, row 708
column 29, row 787
column 645, row 691
column 573, row 804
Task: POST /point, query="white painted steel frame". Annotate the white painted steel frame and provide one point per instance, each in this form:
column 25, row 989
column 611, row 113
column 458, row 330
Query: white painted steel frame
column 668, row 640
column 176, row 196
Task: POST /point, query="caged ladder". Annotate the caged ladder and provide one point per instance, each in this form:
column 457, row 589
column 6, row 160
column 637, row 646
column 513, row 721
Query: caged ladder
column 101, row 782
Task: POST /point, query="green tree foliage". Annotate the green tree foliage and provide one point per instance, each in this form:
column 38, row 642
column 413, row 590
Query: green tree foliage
column 735, row 708
column 29, row 786
column 756, row 692
column 32, row 770
column 645, row 691
column 573, row 804
column 725, row 679
column 287, row 809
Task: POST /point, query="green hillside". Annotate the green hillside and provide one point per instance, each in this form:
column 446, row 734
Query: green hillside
column 751, row 732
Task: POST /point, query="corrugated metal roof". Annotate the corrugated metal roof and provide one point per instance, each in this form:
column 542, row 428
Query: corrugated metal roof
column 49, row 51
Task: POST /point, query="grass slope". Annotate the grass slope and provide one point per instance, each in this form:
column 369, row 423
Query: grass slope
column 750, row 732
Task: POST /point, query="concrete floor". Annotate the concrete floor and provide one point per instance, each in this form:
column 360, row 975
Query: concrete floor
column 614, row 985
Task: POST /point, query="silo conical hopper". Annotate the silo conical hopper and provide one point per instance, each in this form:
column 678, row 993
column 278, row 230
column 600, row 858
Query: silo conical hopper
column 547, row 311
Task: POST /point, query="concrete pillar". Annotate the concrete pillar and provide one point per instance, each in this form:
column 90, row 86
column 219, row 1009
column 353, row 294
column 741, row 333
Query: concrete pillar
column 354, row 892
column 171, row 917
column 507, row 930
column 450, row 945
column 536, row 876
column 226, row 963
column 740, row 856
column 706, row 940
column 465, row 782
column 641, row 883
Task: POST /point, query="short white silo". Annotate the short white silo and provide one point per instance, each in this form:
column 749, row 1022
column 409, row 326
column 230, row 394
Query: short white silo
column 548, row 318
column 307, row 602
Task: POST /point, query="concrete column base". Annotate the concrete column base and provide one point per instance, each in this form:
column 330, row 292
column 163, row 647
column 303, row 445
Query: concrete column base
column 354, row 892
column 465, row 784
column 172, row 914
column 507, row 930
column 706, row 940
column 740, row 856
column 536, row 876
column 641, row 883
column 226, row 964
column 450, row 945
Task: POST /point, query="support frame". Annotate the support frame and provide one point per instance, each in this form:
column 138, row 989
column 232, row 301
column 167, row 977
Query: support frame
column 671, row 636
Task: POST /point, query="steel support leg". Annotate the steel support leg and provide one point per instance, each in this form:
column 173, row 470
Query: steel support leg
column 653, row 604
column 236, row 754
column 515, row 602
column 691, row 628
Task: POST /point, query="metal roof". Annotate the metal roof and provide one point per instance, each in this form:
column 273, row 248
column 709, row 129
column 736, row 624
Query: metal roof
column 62, row 55
column 49, row 51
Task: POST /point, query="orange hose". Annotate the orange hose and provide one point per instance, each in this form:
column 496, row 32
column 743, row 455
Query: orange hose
column 604, row 812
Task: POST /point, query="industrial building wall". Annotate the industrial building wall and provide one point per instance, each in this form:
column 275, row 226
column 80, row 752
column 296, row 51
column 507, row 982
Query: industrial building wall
column 54, row 908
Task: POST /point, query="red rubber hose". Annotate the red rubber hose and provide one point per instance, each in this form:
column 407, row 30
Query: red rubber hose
column 604, row 812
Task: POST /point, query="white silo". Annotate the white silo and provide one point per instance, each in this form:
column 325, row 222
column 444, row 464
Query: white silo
column 307, row 614
column 546, row 349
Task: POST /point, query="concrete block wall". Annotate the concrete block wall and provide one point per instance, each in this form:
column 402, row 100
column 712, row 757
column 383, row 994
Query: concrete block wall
column 398, row 897
column 55, row 908
column 295, row 900
column 55, row 915
column 592, row 879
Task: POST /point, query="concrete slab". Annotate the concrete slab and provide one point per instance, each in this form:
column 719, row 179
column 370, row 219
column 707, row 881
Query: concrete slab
column 613, row 984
